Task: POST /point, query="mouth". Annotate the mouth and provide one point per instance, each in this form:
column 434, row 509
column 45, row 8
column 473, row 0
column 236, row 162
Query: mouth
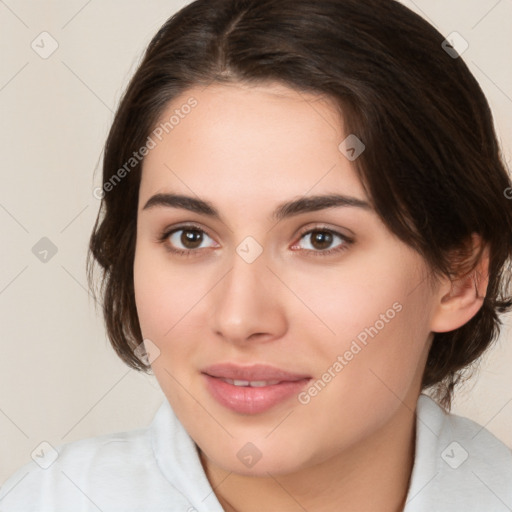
column 252, row 389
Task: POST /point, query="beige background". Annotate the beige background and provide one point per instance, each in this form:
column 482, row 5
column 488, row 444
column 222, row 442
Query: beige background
column 59, row 378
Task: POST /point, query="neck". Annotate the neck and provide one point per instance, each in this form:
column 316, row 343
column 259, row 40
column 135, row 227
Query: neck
column 372, row 475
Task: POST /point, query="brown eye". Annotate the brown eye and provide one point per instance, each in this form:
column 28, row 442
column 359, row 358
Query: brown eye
column 323, row 242
column 186, row 240
column 191, row 239
column 321, row 239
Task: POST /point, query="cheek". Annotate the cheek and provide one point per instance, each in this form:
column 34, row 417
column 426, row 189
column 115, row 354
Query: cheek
column 398, row 361
column 370, row 368
column 164, row 293
column 170, row 299
column 163, row 297
column 364, row 294
column 374, row 327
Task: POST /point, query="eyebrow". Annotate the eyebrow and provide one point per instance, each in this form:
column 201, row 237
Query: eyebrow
column 284, row 210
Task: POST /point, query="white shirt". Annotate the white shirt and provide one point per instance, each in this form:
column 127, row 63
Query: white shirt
column 458, row 466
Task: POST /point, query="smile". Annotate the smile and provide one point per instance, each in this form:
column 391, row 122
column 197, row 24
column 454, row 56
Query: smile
column 254, row 389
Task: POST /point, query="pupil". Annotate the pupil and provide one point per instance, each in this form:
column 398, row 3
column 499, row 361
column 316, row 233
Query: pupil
column 321, row 239
column 191, row 239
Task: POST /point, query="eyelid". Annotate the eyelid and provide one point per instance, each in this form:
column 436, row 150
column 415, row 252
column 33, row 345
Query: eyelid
column 166, row 232
column 324, row 227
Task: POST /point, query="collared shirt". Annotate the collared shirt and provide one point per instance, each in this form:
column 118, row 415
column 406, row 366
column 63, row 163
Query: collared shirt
column 458, row 466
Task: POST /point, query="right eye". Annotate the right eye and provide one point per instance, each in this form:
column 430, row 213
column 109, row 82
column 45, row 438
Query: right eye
column 185, row 240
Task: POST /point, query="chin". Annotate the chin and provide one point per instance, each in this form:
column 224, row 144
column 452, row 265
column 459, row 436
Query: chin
column 258, row 459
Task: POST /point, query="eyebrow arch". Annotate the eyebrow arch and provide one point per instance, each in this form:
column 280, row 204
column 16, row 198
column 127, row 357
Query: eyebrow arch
column 284, row 210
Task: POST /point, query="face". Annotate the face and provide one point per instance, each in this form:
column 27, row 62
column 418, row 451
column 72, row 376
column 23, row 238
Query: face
column 287, row 334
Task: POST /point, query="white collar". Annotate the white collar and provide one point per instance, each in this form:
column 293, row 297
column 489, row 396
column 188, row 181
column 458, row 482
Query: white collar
column 458, row 465
column 179, row 461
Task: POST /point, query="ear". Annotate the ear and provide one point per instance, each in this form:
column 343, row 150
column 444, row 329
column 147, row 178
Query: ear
column 460, row 299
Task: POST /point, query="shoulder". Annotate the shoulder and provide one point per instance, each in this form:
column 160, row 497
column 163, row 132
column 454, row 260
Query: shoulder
column 109, row 472
column 459, row 438
column 458, row 463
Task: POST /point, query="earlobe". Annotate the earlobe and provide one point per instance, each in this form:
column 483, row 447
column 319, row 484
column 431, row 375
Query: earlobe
column 460, row 299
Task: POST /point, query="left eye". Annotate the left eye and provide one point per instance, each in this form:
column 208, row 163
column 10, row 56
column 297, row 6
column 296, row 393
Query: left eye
column 321, row 240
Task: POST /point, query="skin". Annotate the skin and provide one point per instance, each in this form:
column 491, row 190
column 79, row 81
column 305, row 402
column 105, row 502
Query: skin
column 247, row 149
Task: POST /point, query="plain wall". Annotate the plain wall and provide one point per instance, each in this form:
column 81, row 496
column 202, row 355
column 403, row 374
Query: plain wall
column 59, row 378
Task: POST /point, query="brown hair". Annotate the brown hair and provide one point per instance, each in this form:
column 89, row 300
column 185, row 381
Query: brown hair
column 431, row 167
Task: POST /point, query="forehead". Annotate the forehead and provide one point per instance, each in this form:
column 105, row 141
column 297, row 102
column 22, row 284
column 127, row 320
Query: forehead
column 241, row 141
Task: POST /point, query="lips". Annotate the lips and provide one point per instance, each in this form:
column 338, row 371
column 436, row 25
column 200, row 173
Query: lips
column 257, row 372
column 252, row 389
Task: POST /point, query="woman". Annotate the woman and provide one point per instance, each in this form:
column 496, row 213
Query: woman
column 304, row 225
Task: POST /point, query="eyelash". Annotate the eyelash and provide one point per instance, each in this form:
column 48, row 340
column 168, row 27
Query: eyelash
column 164, row 239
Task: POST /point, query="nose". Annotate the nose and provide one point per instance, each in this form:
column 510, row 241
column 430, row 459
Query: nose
column 248, row 303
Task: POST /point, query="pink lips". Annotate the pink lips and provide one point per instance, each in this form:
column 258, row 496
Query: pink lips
column 251, row 389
